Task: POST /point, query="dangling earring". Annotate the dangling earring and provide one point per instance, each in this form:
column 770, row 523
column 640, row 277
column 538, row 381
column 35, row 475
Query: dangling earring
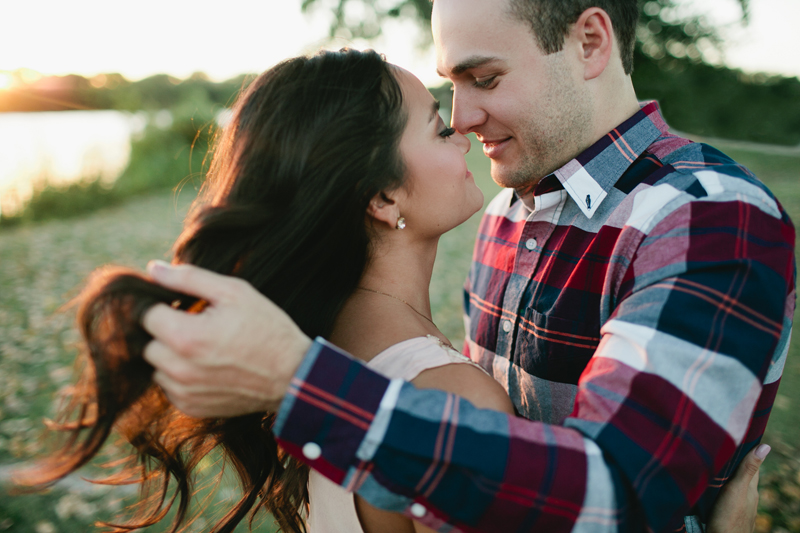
column 401, row 223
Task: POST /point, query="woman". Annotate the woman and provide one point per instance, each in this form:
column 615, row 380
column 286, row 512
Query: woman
column 328, row 192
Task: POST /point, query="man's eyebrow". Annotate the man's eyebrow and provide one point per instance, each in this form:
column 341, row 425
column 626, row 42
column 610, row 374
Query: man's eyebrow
column 468, row 64
column 435, row 112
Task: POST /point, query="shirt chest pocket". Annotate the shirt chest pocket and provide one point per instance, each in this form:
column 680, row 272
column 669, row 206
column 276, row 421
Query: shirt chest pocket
column 554, row 348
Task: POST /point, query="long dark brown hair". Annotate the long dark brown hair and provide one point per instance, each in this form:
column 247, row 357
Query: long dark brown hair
column 311, row 141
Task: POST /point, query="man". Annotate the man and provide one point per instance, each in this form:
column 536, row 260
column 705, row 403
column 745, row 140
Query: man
column 632, row 290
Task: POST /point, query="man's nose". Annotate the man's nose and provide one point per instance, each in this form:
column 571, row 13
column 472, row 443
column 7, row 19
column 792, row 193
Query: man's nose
column 467, row 114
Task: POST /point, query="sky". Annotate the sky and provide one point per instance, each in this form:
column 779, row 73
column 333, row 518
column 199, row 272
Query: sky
column 224, row 39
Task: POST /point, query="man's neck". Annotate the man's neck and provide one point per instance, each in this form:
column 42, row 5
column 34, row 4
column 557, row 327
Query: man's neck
column 614, row 104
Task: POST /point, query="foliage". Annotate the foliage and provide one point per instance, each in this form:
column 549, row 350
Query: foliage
column 367, row 25
column 68, row 200
column 720, row 102
column 664, row 31
column 661, row 24
column 113, row 91
column 165, row 157
column 170, row 154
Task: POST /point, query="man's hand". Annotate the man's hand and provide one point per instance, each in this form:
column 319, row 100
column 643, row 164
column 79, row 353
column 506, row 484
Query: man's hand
column 737, row 505
column 235, row 357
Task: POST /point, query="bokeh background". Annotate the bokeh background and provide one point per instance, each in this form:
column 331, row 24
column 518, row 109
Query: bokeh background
column 106, row 111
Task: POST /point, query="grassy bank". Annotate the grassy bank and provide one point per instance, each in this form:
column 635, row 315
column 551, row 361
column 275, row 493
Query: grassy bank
column 162, row 157
column 43, row 265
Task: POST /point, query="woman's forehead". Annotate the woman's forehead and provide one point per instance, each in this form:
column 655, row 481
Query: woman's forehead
column 417, row 98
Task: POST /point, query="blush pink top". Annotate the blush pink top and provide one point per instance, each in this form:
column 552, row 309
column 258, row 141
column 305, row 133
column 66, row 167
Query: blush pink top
column 332, row 509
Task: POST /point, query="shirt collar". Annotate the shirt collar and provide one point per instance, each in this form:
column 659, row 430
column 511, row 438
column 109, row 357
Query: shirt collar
column 589, row 177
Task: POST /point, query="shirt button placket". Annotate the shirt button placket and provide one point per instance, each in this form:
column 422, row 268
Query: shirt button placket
column 524, row 264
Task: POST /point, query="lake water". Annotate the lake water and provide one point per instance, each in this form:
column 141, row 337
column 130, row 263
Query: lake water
column 61, row 147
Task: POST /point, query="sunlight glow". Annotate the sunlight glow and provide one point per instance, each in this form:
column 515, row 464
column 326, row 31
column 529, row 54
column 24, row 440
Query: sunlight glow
column 93, row 37
column 6, row 81
column 248, row 36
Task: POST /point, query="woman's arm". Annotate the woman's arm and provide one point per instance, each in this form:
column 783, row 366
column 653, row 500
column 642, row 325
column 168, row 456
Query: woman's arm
column 469, row 382
column 462, row 379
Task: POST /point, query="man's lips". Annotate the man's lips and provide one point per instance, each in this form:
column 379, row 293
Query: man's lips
column 494, row 147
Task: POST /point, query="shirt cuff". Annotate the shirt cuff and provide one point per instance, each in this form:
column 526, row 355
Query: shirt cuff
column 327, row 412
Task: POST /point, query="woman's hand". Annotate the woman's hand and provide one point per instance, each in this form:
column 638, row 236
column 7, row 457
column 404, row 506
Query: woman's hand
column 737, row 506
column 235, row 357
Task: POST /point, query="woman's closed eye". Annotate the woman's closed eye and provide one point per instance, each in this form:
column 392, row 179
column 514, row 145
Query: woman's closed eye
column 447, row 132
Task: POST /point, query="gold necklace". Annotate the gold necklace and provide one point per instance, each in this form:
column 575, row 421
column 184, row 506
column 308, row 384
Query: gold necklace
column 400, row 300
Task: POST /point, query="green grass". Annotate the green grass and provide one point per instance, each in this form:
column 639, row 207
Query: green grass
column 43, row 265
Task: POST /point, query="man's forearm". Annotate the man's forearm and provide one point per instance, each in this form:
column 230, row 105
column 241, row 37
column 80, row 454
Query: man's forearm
column 663, row 407
column 439, row 460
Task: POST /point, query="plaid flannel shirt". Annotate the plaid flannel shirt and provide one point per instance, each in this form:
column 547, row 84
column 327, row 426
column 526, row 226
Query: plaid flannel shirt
column 636, row 305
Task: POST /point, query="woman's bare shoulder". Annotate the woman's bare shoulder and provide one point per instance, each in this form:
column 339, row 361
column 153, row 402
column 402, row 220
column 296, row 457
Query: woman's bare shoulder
column 366, row 330
column 469, row 382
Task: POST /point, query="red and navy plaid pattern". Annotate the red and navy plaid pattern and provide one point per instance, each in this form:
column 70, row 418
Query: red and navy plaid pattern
column 637, row 306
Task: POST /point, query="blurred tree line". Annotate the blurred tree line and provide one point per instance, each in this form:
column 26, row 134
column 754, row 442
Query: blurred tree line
column 671, row 66
column 114, row 91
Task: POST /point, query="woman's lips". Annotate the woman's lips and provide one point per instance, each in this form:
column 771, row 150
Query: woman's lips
column 493, row 149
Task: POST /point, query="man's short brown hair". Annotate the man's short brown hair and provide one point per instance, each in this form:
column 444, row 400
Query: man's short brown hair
column 550, row 21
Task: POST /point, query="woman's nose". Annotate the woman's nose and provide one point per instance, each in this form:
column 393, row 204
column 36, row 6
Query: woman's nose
column 463, row 142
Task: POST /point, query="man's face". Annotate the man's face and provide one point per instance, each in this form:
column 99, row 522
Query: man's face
column 531, row 111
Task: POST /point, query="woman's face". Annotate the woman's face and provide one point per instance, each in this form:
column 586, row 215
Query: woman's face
column 439, row 193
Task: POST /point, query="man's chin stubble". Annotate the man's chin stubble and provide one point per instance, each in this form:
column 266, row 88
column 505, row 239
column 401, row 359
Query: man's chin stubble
column 523, row 178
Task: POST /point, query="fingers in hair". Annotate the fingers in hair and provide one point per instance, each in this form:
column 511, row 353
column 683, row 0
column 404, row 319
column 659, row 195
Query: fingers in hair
column 193, row 280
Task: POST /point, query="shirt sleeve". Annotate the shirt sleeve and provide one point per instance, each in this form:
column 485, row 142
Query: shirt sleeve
column 701, row 324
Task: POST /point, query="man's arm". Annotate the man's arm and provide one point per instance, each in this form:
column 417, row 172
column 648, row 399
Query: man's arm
column 653, row 423
column 663, row 407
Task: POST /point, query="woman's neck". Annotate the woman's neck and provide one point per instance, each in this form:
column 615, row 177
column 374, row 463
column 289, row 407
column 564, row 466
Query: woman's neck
column 395, row 303
column 404, row 272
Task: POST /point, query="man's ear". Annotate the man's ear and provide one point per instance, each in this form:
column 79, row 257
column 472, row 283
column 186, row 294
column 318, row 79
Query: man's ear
column 595, row 36
column 383, row 208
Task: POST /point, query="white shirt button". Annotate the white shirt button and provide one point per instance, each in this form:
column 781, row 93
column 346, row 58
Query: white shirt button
column 418, row 510
column 507, row 325
column 312, row 450
column 530, row 244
